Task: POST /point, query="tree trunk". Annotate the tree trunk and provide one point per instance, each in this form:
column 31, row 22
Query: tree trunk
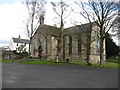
column 58, row 50
column 88, row 47
column 29, row 53
column 101, row 51
column 88, row 55
column 30, row 47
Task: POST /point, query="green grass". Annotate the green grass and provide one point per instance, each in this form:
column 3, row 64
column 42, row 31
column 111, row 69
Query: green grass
column 49, row 63
column 44, row 60
column 6, row 61
column 113, row 60
column 112, row 65
column 106, row 65
column 52, row 62
column 37, row 59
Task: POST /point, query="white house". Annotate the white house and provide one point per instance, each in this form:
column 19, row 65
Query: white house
column 15, row 43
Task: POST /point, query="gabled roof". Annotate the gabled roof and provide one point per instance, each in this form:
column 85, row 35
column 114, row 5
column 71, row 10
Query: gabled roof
column 18, row 40
column 54, row 31
column 77, row 29
column 48, row 30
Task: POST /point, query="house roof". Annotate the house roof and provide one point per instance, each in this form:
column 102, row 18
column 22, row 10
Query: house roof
column 54, row 31
column 78, row 29
column 48, row 30
column 18, row 40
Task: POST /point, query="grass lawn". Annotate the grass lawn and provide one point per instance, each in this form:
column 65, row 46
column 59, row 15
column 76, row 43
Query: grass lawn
column 113, row 60
column 43, row 62
column 106, row 65
column 112, row 65
column 6, row 61
column 52, row 62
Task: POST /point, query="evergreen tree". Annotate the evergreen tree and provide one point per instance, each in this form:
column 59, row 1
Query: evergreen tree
column 112, row 49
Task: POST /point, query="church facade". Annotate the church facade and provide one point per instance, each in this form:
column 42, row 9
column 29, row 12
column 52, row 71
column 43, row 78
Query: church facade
column 44, row 43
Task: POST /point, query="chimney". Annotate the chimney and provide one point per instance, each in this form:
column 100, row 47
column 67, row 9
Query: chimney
column 42, row 19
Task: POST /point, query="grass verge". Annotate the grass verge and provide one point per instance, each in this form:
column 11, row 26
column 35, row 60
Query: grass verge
column 106, row 65
column 52, row 62
column 113, row 60
column 49, row 63
column 6, row 61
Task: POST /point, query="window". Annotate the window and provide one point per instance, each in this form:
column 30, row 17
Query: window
column 35, row 43
column 17, row 44
column 79, row 43
column 70, row 45
column 97, row 45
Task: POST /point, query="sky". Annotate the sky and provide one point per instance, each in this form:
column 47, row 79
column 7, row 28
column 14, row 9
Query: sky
column 13, row 15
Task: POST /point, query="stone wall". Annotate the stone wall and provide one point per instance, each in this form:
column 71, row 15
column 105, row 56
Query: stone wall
column 49, row 46
column 53, row 48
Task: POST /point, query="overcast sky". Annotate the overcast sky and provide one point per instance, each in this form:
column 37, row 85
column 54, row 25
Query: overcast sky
column 13, row 15
column 12, row 19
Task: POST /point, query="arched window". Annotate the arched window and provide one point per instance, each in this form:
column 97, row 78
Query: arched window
column 70, row 45
column 79, row 43
column 35, row 42
column 17, row 44
column 97, row 44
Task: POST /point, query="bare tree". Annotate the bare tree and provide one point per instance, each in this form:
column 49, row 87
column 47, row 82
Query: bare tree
column 36, row 11
column 60, row 8
column 116, row 28
column 88, row 27
column 104, row 14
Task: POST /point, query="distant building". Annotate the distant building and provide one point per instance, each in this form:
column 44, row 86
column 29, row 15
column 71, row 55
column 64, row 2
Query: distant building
column 6, row 53
column 15, row 43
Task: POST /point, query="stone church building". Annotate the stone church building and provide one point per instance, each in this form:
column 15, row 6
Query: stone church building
column 45, row 38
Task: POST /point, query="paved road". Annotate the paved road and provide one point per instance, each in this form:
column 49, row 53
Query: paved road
column 58, row 76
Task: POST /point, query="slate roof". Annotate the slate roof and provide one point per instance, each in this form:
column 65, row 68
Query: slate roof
column 54, row 31
column 18, row 40
column 48, row 30
column 83, row 28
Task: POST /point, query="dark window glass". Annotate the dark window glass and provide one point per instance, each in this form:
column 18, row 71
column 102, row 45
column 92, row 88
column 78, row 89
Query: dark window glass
column 70, row 45
column 79, row 43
